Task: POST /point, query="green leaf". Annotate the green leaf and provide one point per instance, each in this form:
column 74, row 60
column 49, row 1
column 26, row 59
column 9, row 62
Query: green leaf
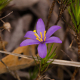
column 53, row 54
column 44, row 67
column 72, row 7
column 74, row 12
column 34, row 74
column 78, row 28
column 49, row 50
column 66, row 1
column 74, row 22
column 4, row 3
column 77, row 11
column 43, row 63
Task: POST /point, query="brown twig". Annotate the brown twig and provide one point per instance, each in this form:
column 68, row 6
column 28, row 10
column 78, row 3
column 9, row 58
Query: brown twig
column 50, row 13
column 62, row 8
column 2, row 42
column 69, row 24
column 16, row 75
column 6, row 15
column 60, row 13
column 8, row 69
column 74, row 74
column 2, row 21
column 67, row 55
column 4, row 50
column 59, row 16
column 77, row 69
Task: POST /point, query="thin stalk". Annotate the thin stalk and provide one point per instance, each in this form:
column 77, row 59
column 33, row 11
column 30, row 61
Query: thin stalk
column 74, row 74
column 77, row 69
column 50, row 13
column 79, row 50
column 15, row 76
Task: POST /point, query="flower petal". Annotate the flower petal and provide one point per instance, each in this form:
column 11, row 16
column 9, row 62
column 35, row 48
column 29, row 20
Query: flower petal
column 51, row 30
column 53, row 40
column 40, row 27
column 29, row 42
column 30, row 34
column 42, row 50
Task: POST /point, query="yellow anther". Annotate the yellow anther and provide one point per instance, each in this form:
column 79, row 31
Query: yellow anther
column 41, row 34
column 44, row 34
column 44, row 38
column 34, row 31
column 36, row 35
column 38, row 39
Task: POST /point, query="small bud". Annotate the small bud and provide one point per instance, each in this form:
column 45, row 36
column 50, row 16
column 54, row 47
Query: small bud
column 7, row 26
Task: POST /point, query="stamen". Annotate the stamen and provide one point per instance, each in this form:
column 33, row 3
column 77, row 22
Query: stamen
column 36, row 35
column 41, row 34
column 34, row 31
column 44, row 34
column 44, row 38
column 38, row 39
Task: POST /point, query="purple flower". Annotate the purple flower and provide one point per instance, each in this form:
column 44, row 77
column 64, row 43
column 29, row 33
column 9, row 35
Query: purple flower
column 41, row 37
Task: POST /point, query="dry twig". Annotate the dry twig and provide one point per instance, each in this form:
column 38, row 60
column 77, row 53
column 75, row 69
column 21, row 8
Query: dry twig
column 50, row 13
column 56, row 61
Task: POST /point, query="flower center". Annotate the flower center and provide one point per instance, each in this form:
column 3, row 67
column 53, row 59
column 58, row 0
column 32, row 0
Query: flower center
column 41, row 37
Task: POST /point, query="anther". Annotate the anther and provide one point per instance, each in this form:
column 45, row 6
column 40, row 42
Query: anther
column 36, row 35
column 44, row 33
column 41, row 34
column 38, row 39
column 34, row 31
column 44, row 38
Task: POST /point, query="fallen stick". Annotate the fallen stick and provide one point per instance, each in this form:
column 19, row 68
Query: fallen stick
column 56, row 61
